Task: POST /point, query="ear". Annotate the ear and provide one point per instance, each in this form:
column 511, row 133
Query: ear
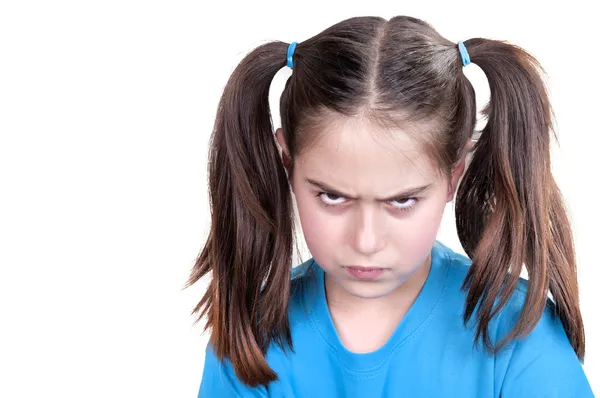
column 285, row 154
column 458, row 171
column 456, row 174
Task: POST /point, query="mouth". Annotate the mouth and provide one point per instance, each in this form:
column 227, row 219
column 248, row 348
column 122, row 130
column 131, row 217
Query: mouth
column 365, row 272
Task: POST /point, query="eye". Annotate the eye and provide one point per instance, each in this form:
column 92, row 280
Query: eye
column 330, row 199
column 404, row 203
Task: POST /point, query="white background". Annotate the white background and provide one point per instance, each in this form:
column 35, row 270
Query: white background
column 105, row 113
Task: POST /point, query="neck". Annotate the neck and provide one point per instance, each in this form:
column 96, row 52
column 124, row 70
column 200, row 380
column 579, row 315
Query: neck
column 364, row 325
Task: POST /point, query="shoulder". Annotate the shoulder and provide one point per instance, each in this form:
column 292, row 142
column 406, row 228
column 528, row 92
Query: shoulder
column 542, row 363
column 548, row 328
column 458, row 265
column 220, row 380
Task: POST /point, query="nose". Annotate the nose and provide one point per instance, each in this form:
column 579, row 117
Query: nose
column 369, row 233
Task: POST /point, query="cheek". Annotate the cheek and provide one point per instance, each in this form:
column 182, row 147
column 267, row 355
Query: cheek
column 410, row 237
column 318, row 232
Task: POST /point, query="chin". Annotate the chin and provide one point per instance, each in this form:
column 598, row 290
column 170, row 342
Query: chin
column 368, row 290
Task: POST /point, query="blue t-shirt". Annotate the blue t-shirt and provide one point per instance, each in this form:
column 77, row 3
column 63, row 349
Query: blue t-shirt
column 430, row 354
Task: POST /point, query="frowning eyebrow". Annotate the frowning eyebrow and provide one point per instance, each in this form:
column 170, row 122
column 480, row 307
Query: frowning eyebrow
column 407, row 193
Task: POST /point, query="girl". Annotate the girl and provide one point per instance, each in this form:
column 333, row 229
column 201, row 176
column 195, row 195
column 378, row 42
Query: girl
column 377, row 120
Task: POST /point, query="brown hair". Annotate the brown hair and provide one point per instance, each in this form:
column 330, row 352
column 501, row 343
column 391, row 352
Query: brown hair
column 509, row 210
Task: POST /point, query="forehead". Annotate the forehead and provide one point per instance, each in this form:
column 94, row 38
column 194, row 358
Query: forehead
column 357, row 155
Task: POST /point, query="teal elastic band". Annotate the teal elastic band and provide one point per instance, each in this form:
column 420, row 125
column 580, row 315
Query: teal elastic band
column 290, row 55
column 464, row 54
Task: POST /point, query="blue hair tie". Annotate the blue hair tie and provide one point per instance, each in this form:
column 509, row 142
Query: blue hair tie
column 290, row 55
column 464, row 54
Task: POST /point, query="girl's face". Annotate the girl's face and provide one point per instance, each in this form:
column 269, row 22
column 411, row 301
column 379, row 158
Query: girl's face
column 371, row 199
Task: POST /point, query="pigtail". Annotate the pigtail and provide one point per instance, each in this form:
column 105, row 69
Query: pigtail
column 509, row 210
column 249, row 247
